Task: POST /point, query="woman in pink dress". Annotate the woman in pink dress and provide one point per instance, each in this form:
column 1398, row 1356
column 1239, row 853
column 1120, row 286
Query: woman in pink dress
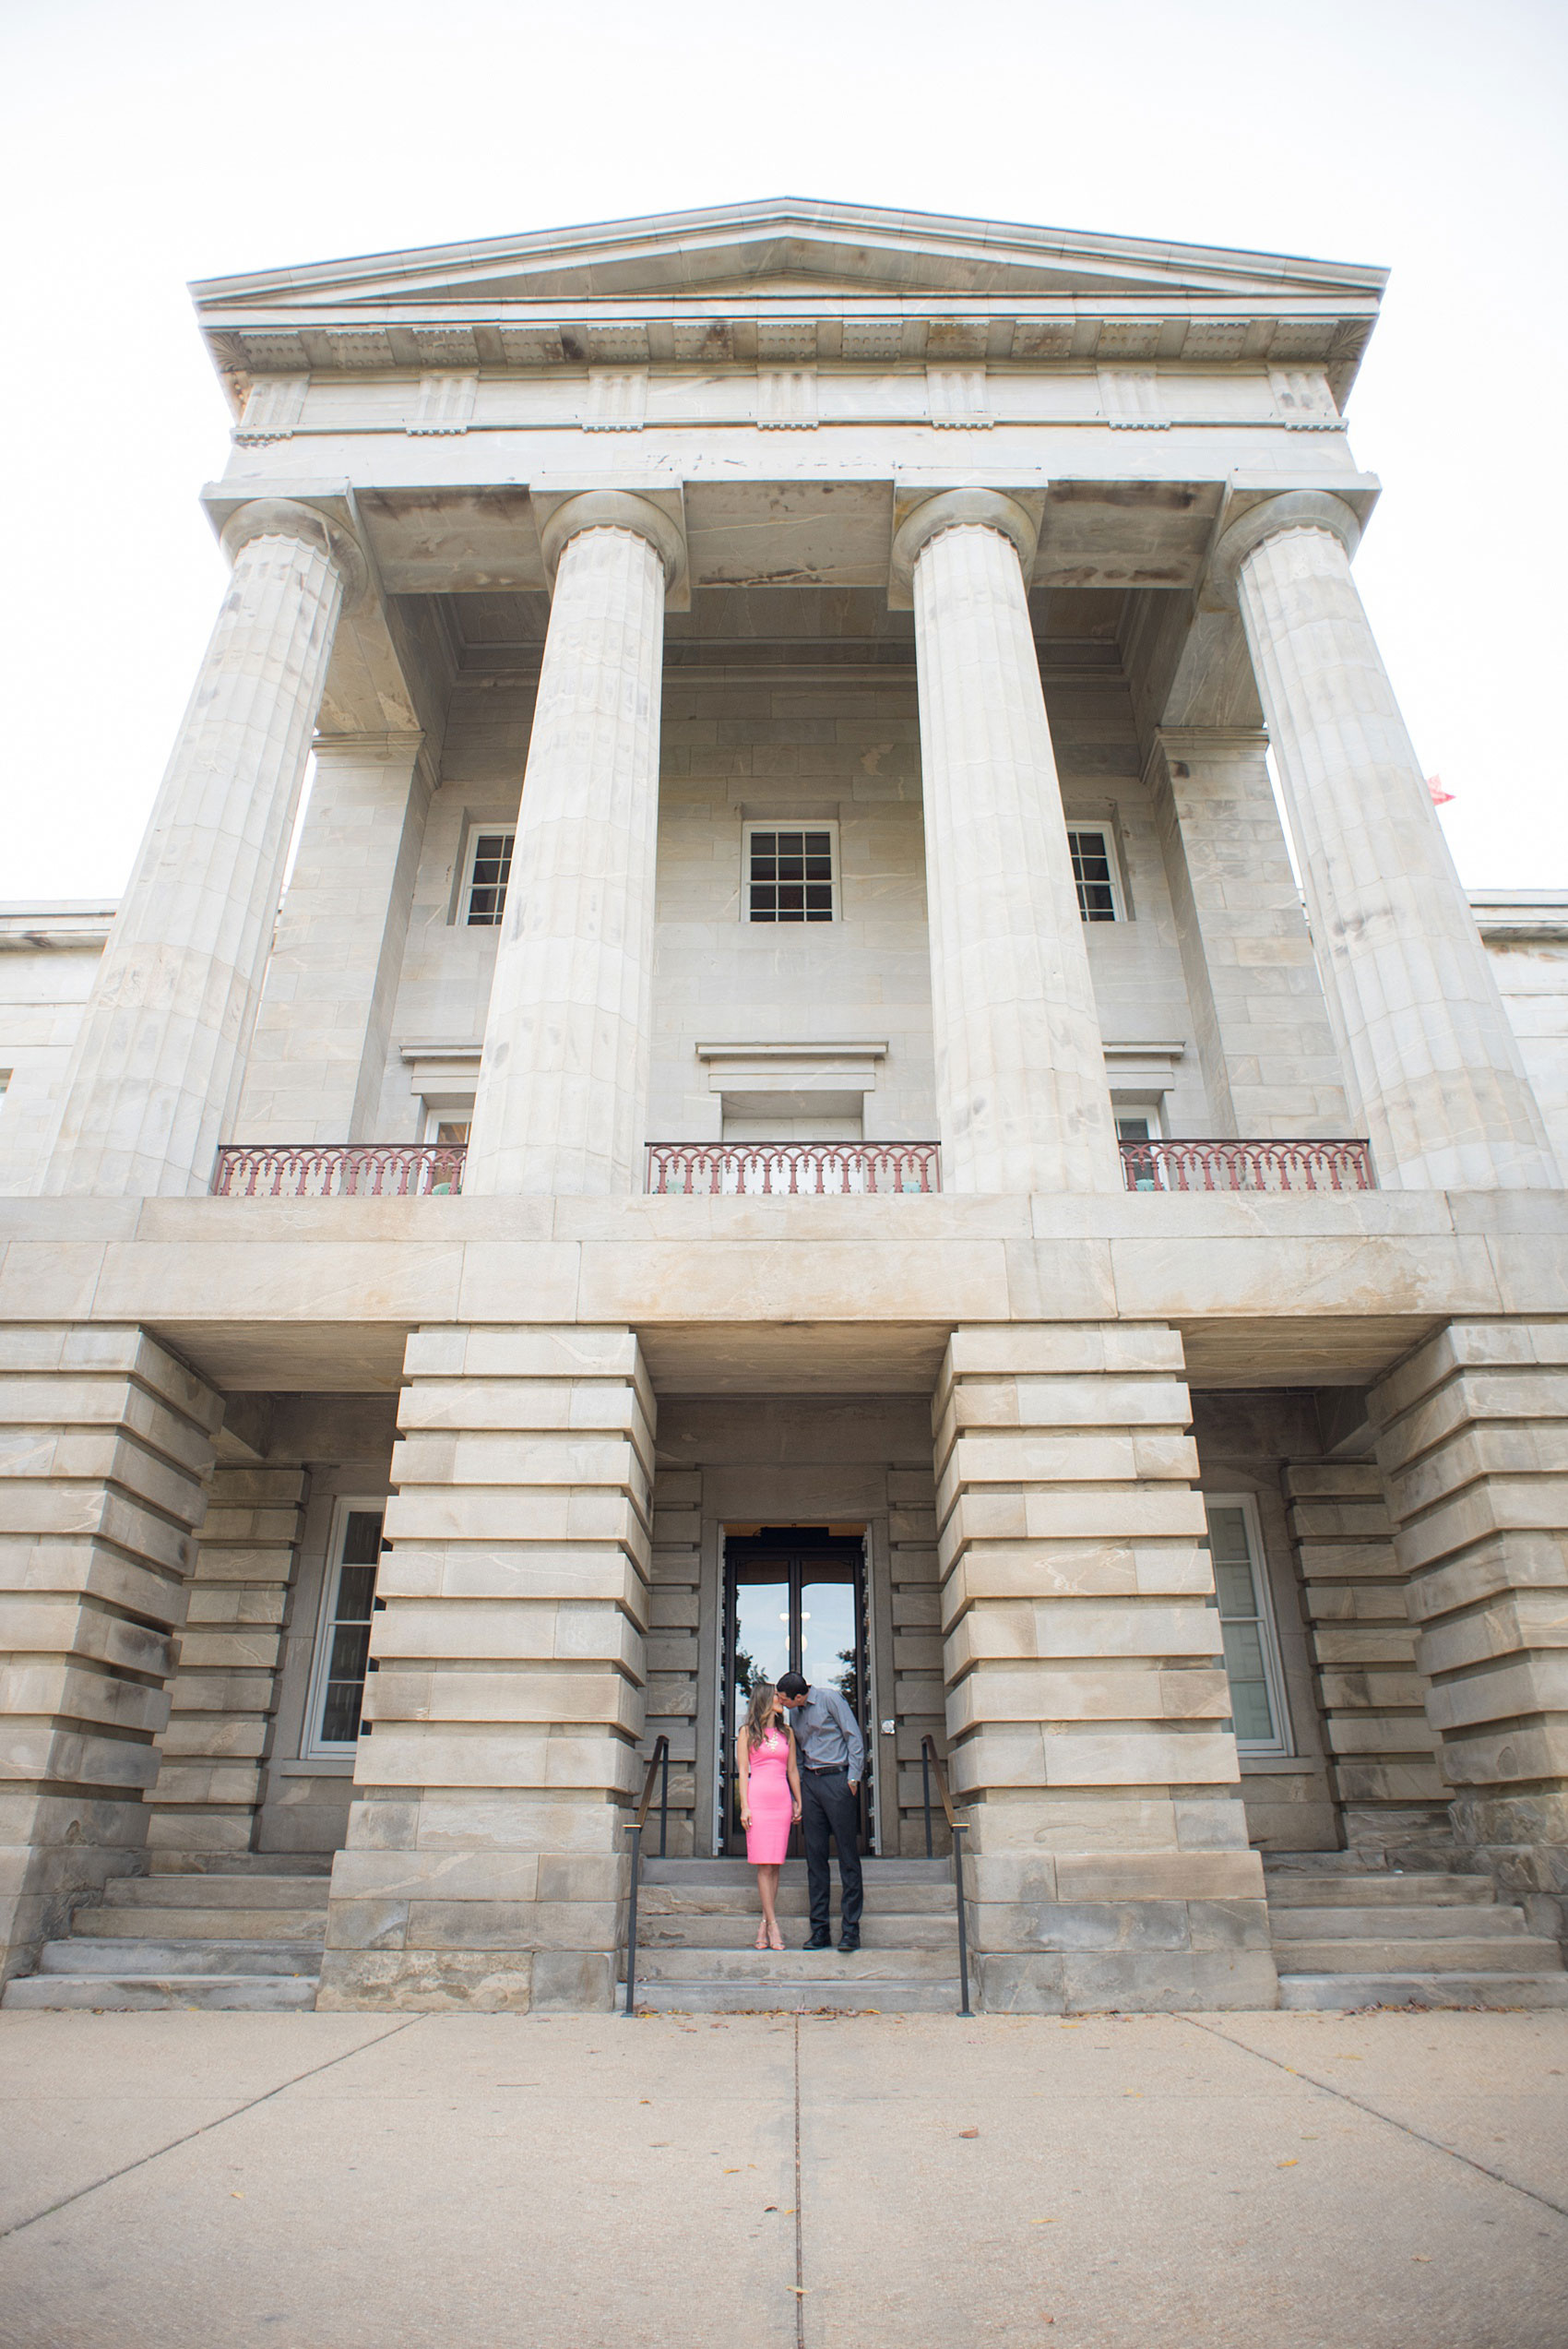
column 770, row 1800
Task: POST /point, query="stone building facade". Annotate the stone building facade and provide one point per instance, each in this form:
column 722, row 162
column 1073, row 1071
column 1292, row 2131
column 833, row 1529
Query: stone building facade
column 793, row 1081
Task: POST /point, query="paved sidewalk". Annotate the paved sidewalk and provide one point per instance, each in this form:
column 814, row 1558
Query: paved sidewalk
column 230, row 2181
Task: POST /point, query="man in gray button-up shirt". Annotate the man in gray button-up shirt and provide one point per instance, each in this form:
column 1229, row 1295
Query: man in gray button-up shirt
column 833, row 1755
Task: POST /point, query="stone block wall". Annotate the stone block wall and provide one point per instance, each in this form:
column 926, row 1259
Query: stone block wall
column 106, row 1444
column 223, row 1695
column 486, row 1864
column 1386, row 1783
column 1473, row 1446
column 1261, row 1024
column 317, row 1061
column 796, row 751
column 674, row 1614
column 1087, row 1707
column 919, row 1691
column 1245, row 1438
column 851, row 1462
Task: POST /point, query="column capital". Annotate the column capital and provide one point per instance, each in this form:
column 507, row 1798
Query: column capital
column 616, row 509
column 989, row 510
column 286, row 517
column 1293, row 509
column 1184, row 745
column 384, row 749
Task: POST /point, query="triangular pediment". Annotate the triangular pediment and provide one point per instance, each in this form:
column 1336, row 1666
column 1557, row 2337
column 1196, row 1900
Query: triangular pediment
column 783, row 250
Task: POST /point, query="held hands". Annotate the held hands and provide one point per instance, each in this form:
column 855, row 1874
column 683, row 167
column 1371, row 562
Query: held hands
column 796, row 1814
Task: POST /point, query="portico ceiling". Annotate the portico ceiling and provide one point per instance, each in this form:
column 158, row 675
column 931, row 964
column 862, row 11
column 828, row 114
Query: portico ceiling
column 793, row 534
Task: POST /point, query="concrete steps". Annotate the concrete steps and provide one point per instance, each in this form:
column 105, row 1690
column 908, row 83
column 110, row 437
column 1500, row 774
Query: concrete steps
column 237, row 1940
column 697, row 1919
column 1346, row 1935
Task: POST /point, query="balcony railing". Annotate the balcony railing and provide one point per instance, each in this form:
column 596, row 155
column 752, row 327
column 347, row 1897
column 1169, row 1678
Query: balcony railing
column 338, row 1171
column 1247, row 1166
column 738, row 1170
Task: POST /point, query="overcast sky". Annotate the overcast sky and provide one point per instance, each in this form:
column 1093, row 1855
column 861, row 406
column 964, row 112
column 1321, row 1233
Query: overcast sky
column 147, row 142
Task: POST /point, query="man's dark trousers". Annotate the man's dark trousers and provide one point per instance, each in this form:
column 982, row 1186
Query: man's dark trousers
column 827, row 1807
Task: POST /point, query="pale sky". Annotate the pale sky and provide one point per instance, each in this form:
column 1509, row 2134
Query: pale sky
column 147, row 142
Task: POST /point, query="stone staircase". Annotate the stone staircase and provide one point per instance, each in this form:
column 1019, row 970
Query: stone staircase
column 248, row 1940
column 1346, row 1934
column 697, row 1921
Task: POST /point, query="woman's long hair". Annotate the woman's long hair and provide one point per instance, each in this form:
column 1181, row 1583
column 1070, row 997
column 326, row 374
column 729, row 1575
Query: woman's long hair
column 759, row 1715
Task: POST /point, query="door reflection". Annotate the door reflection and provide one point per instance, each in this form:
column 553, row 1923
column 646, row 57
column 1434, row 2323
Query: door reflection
column 794, row 1602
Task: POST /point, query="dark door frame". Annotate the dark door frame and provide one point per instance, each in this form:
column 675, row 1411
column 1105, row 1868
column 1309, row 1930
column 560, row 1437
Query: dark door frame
column 791, row 1547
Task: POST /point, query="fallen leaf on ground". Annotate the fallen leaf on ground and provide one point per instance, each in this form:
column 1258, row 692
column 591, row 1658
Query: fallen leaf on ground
column 1291, row 2164
column 969, row 2132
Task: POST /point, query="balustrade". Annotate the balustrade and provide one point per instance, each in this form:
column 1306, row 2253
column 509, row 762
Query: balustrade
column 1247, row 1166
column 736, row 1169
column 834, row 1169
column 331, row 1170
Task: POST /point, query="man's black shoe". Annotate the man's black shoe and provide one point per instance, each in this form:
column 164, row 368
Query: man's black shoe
column 850, row 1943
column 817, row 1942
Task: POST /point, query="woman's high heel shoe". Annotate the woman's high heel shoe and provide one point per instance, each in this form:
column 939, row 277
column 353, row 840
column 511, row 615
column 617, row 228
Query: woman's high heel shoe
column 775, row 1940
column 762, row 1937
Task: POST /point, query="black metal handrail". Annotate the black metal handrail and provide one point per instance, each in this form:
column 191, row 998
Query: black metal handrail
column 931, row 1765
column 659, row 1766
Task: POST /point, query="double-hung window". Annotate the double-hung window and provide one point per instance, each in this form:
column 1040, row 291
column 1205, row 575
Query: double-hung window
column 1094, row 871
column 484, row 883
column 1246, row 1623
column 342, row 1642
column 791, row 873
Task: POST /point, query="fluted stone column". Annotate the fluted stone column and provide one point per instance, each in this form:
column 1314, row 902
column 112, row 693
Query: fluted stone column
column 1417, row 1011
column 156, row 1075
column 1020, row 1071
column 563, row 1082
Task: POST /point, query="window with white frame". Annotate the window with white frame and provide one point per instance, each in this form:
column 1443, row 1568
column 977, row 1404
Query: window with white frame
column 342, row 1639
column 1138, row 1121
column 1246, row 1621
column 1094, row 871
column 447, row 1123
column 488, row 869
column 791, row 873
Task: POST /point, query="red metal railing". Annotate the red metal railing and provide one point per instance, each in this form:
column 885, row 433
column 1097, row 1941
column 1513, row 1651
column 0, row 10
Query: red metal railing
column 735, row 1170
column 422, row 1170
column 336, row 1169
column 1247, row 1166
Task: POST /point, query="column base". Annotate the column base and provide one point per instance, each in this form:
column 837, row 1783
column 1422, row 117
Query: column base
column 1149, row 1932
column 1088, row 1708
column 496, row 1931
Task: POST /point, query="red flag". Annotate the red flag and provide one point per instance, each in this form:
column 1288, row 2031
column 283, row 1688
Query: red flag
column 1440, row 798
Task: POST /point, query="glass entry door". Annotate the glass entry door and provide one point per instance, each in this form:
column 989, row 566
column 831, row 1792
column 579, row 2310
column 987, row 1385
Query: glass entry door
column 794, row 1601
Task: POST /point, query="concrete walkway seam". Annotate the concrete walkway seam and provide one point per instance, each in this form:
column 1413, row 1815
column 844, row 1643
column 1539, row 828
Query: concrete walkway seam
column 21, row 2225
column 1330, row 2088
